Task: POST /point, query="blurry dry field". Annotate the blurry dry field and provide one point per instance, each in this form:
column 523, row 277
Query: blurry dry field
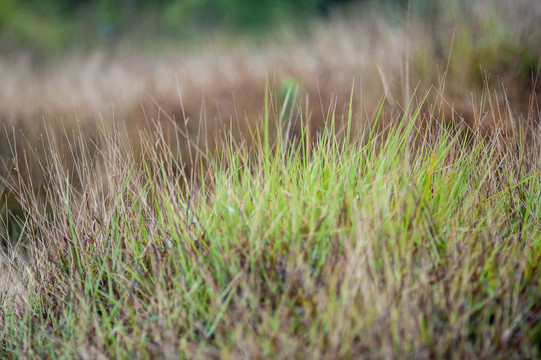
column 141, row 137
column 489, row 41
column 480, row 63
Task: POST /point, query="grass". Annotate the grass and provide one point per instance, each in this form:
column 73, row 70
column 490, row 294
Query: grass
column 208, row 216
column 417, row 240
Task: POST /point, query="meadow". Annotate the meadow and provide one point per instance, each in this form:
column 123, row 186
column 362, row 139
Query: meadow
column 358, row 189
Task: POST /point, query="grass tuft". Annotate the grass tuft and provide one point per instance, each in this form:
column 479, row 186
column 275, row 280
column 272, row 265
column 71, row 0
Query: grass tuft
column 415, row 241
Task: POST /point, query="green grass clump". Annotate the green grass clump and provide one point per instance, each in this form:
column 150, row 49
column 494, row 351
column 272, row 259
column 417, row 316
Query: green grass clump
column 409, row 240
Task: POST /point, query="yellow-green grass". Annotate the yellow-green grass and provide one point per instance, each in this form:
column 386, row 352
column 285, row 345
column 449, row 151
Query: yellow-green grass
column 411, row 239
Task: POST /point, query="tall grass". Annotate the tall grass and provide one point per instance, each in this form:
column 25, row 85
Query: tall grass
column 206, row 216
column 409, row 239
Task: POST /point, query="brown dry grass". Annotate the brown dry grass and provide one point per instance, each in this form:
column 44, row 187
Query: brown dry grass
column 216, row 82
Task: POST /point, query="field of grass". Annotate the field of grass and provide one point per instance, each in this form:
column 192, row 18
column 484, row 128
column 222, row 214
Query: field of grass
column 336, row 195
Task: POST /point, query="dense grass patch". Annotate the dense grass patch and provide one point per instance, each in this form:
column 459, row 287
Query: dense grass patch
column 410, row 240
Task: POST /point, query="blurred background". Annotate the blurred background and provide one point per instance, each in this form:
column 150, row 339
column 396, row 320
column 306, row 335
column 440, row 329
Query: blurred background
column 61, row 57
column 53, row 26
column 200, row 69
column 208, row 61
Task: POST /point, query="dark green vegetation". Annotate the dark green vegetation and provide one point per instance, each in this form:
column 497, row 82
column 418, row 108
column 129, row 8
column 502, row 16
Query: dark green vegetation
column 50, row 27
column 54, row 25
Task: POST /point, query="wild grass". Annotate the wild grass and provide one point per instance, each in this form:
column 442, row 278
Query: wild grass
column 416, row 241
column 173, row 207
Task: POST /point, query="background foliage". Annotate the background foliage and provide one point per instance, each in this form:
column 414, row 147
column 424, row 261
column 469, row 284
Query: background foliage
column 53, row 25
